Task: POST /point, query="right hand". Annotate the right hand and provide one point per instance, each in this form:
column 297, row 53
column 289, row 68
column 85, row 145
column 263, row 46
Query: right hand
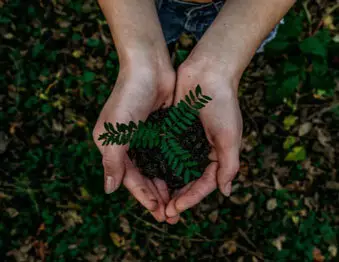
column 140, row 89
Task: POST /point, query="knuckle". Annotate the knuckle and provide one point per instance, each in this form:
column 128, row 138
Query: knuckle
column 234, row 168
column 107, row 162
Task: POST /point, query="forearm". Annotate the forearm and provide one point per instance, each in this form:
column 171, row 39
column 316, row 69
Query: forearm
column 238, row 31
column 135, row 28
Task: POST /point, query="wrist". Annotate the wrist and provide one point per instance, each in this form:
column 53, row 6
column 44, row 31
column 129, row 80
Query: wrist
column 224, row 64
column 145, row 57
column 210, row 72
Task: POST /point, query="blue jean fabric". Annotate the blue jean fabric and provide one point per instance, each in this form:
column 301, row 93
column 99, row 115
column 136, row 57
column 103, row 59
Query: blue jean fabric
column 177, row 16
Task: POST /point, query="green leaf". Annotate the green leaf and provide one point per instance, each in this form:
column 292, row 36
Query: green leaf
column 298, row 154
column 289, row 121
column 289, row 67
column 156, row 140
column 93, row 42
column 76, row 37
column 172, row 116
column 168, row 122
column 176, row 130
column 186, row 121
column 185, row 156
column 138, row 143
column 278, row 45
column 196, row 173
column 314, row 46
column 188, row 100
column 37, row 50
column 175, row 163
column 132, row 125
column 202, row 100
column 122, row 127
column 88, row 76
column 198, row 91
column 181, row 55
column 198, row 105
column 179, row 170
column 289, row 85
column 182, row 126
column 144, row 142
column 289, row 142
column 187, row 176
column 133, row 141
column 111, row 128
column 191, row 164
column 192, row 96
column 170, row 159
column 190, row 116
column 207, row 98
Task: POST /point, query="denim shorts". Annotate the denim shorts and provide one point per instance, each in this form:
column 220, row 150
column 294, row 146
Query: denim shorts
column 178, row 16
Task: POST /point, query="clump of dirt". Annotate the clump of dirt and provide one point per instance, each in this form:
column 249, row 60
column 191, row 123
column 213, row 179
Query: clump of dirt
column 152, row 163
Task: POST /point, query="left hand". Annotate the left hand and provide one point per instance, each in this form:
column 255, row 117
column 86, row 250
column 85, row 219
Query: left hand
column 222, row 121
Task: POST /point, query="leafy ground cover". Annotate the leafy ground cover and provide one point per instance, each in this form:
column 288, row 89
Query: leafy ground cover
column 57, row 68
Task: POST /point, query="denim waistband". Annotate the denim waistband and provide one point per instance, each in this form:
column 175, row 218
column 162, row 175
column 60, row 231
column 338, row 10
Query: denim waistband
column 218, row 4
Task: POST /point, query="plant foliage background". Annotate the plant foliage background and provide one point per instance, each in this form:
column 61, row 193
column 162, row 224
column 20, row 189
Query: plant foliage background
column 57, row 68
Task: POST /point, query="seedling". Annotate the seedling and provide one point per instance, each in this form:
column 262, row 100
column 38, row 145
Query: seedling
column 163, row 134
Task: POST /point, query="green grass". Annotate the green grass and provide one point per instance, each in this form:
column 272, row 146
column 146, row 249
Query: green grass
column 57, row 68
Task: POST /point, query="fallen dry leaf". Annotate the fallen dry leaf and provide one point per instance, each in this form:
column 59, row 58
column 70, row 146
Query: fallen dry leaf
column 332, row 185
column 213, row 216
column 317, row 256
column 250, row 209
column 278, row 242
column 238, row 200
column 304, row 129
column 271, row 204
column 124, row 224
column 229, row 246
column 117, row 240
column 333, row 250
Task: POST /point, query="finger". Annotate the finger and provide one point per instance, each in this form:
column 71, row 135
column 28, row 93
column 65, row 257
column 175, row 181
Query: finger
column 173, row 220
column 162, row 189
column 168, row 101
column 205, row 185
column 114, row 167
column 171, row 210
column 137, row 185
column 228, row 168
column 213, row 155
column 185, row 82
column 159, row 213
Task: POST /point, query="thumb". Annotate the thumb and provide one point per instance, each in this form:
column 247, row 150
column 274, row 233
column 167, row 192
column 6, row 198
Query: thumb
column 114, row 167
column 228, row 168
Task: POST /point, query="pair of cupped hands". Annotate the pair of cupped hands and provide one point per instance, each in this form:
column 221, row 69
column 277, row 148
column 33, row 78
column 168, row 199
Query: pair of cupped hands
column 147, row 83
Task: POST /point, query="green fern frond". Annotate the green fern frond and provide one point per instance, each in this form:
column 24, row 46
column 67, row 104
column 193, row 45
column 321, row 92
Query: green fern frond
column 177, row 157
column 120, row 135
column 148, row 135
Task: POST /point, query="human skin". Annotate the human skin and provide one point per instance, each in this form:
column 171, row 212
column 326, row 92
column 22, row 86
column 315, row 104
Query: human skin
column 217, row 63
column 147, row 82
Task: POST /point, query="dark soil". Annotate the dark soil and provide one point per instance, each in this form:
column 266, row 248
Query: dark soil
column 153, row 164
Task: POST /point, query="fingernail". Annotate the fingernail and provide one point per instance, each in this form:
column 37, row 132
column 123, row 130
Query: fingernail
column 109, row 185
column 228, row 189
column 171, row 212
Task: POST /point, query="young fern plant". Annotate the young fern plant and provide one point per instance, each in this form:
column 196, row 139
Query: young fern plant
column 163, row 135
